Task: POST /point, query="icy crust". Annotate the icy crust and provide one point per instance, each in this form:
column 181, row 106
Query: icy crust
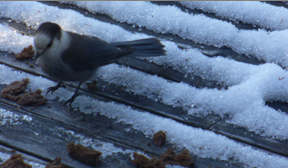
column 251, row 12
column 267, row 46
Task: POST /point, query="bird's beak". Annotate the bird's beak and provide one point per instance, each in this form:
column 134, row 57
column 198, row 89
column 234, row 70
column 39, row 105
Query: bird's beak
column 39, row 52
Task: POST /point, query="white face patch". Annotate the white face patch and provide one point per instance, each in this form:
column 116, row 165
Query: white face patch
column 58, row 46
column 41, row 41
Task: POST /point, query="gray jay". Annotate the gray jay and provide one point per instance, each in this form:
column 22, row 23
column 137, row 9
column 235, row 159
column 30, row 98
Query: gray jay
column 68, row 56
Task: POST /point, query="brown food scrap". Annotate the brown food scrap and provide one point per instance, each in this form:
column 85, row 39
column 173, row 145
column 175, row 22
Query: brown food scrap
column 169, row 157
column 15, row 161
column 14, row 89
column 141, row 161
column 83, row 154
column 182, row 159
column 92, row 86
column 26, row 53
column 56, row 164
column 32, row 98
column 159, row 138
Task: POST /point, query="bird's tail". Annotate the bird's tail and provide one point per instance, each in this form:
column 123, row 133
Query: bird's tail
column 142, row 48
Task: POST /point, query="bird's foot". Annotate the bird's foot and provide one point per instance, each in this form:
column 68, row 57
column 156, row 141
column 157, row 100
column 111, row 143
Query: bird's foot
column 71, row 100
column 54, row 88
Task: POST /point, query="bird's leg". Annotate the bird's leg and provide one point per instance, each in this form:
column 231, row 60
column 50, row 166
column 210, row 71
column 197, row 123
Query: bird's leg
column 71, row 100
column 54, row 88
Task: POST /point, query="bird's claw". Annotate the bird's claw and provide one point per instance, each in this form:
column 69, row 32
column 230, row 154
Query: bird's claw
column 71, row 100
column 54, row 88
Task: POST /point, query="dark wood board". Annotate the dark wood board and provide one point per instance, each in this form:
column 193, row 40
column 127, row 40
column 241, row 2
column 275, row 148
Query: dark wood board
column 42, row 141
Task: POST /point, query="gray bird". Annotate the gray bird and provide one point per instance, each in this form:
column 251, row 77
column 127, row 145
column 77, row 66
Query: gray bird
column 68, row 56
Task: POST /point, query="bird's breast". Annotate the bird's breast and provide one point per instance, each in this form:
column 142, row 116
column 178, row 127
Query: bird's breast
column 57, row 69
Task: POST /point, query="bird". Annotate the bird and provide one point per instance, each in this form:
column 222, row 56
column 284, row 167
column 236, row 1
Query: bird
column 68, row 56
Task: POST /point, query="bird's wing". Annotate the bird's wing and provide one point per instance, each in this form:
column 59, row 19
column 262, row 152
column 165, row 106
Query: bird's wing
column 86, row 53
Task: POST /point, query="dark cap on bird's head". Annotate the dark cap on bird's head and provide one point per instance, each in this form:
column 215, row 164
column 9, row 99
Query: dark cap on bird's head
column 50, row 29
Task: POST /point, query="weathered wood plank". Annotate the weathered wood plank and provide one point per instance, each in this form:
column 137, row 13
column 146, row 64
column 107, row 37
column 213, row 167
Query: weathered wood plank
column 47, row 139
column 276, row 3
column 241, row 134
column 32, row 139
column 28, row 158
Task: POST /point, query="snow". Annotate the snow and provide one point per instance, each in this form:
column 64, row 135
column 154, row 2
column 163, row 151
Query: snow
column 244, row 101
column 253, row 12
column 239, row 101
column 17, row 41
column 198, row 28
column 8, row 117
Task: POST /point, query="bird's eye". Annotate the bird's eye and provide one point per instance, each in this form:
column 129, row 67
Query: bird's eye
column 49, row 45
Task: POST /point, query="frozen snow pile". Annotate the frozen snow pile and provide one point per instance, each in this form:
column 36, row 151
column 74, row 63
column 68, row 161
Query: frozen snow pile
column 251, row 12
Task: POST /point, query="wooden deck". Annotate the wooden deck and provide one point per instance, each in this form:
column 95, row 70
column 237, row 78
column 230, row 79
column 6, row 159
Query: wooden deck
column 38, row 142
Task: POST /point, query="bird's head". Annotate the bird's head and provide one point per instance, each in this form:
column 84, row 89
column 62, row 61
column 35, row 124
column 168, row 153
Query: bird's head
column 47, row 34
